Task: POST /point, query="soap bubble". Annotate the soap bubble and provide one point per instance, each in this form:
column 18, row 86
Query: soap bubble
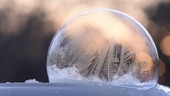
column 104, row 45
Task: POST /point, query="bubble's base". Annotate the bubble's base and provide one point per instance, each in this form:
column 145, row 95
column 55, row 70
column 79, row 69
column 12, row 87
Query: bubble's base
column 75, row 89
column 70, row 75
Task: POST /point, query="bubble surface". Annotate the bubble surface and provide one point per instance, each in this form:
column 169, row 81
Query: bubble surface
column 106, row 46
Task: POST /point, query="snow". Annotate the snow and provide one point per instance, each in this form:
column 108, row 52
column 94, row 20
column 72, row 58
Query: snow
column 77, row 89
column 70, row 87
column 165, row 89
column 31, row 81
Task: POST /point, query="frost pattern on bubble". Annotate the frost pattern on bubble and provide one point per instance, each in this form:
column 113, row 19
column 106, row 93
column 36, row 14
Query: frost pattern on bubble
column 120, row 51
column 106, row 63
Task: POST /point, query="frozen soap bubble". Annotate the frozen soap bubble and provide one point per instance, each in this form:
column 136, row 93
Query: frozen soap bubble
column 104, row 45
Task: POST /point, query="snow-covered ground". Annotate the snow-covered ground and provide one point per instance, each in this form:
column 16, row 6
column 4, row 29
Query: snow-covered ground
column 76, row 89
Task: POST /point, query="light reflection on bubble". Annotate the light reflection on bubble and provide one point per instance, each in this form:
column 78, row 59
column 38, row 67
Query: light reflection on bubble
column 104, row 45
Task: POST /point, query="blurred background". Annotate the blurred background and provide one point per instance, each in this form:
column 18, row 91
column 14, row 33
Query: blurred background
column 27, row 28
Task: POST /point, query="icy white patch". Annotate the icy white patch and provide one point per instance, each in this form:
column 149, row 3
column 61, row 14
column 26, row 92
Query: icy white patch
column 31, row 81
column 126, row 79
column 165, row 89
column 71, row 74
column 62, row 75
